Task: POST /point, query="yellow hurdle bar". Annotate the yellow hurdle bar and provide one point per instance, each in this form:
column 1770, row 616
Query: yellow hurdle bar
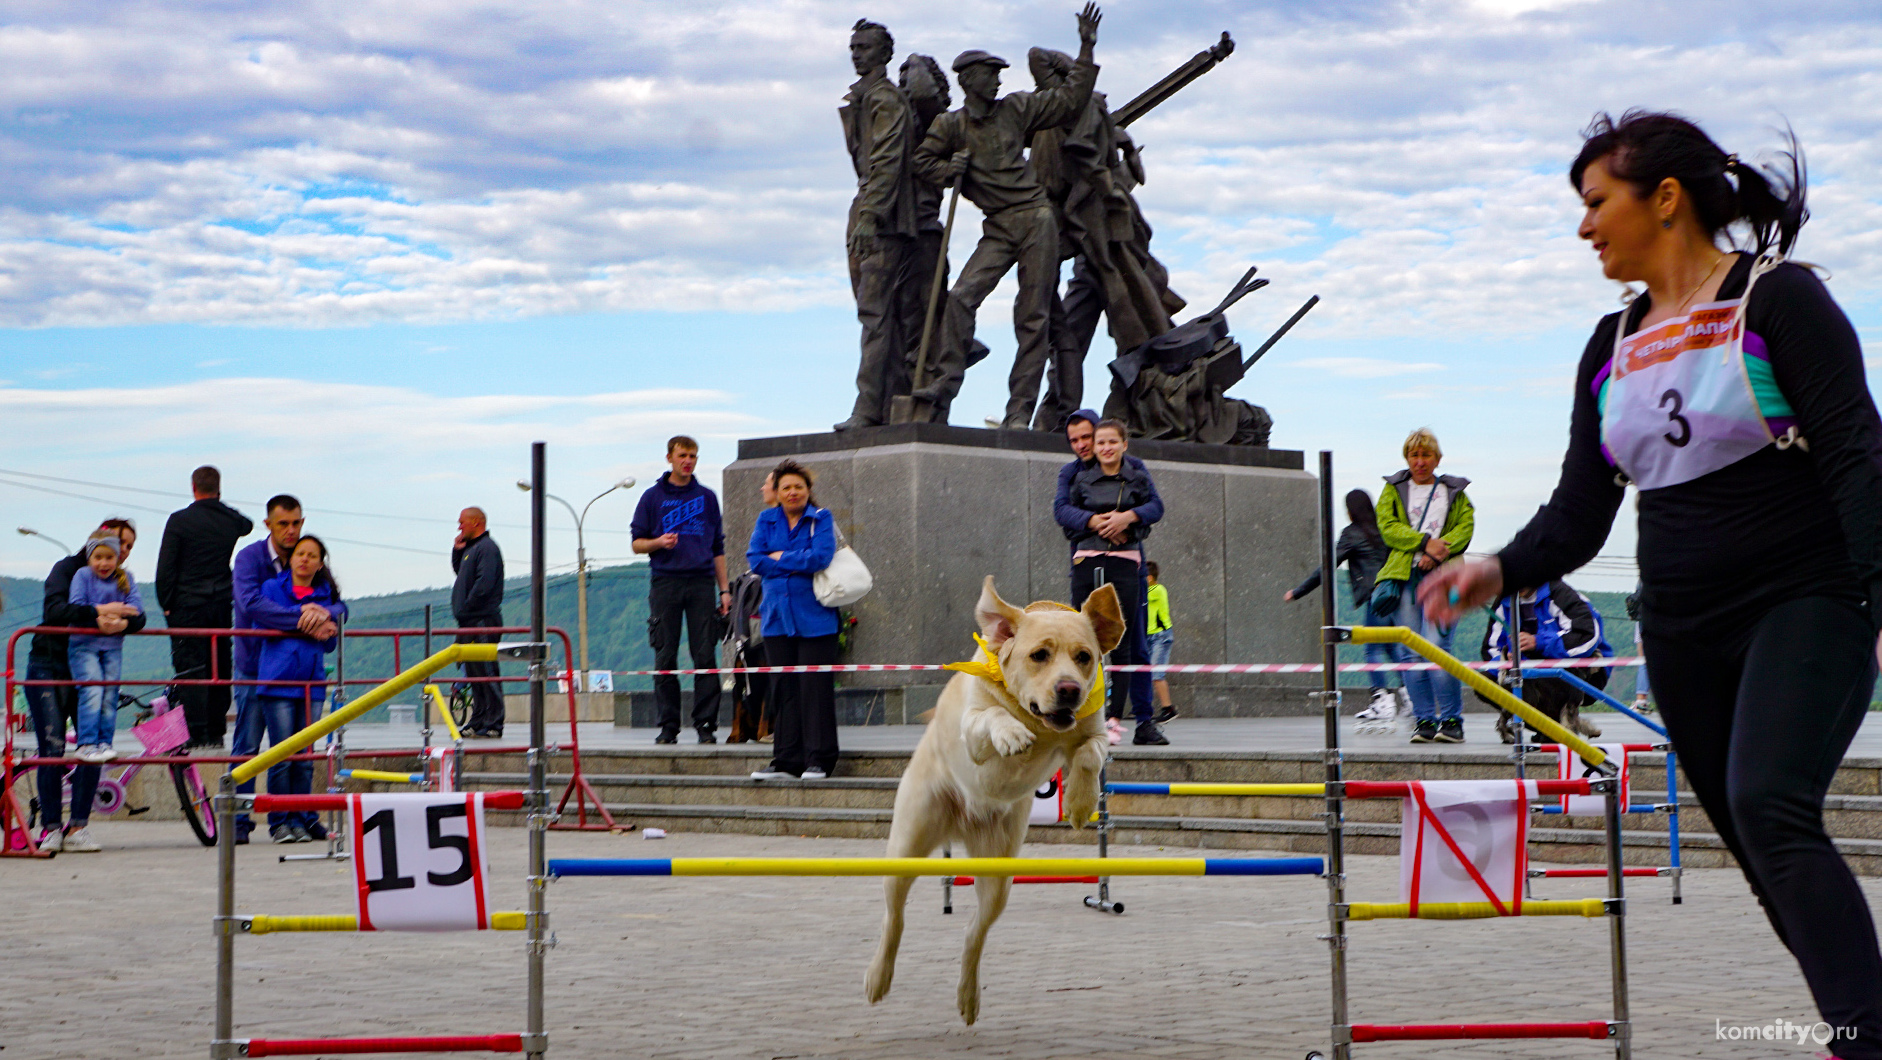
column 1489, row 689
column 269, row 925
column 1471, row 910
column 385, row 777
column 435, row 696
column 450, row 656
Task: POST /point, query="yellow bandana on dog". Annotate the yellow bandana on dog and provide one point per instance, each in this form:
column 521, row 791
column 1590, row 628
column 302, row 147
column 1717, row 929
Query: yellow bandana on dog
column 987, row 668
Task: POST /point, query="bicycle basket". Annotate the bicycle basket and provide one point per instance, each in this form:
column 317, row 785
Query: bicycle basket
column 164, row 733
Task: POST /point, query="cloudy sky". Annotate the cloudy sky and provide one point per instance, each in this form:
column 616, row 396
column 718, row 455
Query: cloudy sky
column 366, row 252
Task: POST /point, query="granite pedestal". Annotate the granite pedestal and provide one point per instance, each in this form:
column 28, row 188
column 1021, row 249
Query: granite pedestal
column 934, row 509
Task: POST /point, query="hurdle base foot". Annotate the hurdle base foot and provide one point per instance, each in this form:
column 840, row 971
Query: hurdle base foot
column 1101, row 905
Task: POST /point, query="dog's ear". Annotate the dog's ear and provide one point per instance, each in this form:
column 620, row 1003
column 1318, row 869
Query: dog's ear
column 1106, row 618
column 997, row 619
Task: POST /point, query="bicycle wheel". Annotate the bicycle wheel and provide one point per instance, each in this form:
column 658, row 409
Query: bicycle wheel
column 461, row 706
column 195, row 797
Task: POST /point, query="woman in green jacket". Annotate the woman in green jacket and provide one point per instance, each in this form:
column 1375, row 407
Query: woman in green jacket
column 1425, row 519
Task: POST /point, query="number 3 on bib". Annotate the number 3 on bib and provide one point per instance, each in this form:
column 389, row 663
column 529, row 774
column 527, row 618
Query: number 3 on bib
column 419, row 861
column 1680, row 424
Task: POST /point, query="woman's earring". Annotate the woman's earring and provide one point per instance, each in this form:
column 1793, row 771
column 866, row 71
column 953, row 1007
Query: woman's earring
column 1666, row 223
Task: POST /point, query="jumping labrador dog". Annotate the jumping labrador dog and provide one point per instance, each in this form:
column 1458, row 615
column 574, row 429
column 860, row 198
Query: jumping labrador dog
column 990, row 745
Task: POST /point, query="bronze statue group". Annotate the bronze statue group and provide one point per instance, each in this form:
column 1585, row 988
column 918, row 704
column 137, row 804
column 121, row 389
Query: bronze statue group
column 1053, row 171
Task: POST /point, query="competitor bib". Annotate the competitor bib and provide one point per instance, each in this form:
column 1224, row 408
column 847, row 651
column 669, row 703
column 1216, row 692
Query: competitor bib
column 418, row 861
column 1048, row 803
column 1691, row 395
column 1569, row 766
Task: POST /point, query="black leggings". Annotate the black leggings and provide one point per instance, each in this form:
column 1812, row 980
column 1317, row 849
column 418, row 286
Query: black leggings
column 804, row 735
column 1761, row 721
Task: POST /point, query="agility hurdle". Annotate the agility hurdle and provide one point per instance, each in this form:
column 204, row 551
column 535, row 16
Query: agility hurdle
column 1340, row 912
column 226, row 925
column 1670, row 807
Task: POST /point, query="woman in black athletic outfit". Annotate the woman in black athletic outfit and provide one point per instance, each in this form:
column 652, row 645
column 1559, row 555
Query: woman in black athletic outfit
column 1760, row 519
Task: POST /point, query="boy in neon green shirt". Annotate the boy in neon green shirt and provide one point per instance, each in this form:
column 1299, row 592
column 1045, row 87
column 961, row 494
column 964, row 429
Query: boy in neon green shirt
column 1161, row 638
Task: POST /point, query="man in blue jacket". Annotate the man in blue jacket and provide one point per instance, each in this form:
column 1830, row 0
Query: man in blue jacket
column 1079, row 429
column 677, row 525
column 254, row 566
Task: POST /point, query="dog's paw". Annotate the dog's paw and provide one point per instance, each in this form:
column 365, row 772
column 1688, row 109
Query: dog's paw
column 1079, row 806
column 876, row 987
column 970, row 1001
column 1011, row 738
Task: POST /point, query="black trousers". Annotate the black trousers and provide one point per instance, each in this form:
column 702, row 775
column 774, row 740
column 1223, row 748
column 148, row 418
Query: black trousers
column 696, row 597
column 1761, row 721
column 206, row 708
column 1134, row 650
column 486, row 696
column 804, row 735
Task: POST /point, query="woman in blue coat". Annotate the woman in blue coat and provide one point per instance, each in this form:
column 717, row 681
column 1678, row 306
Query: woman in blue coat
column 293, row 672
column 789, row 545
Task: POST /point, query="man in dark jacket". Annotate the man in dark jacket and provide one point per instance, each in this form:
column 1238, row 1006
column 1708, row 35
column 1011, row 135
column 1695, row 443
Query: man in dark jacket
column 477, row 602
column 197, row 591
column 677, row 526
column 1556, row 622
column 55, row 707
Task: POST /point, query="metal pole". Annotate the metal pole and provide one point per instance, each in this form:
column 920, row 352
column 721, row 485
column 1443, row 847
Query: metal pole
column 1512, row 678
column 581, row 601
column 224, row 923
column 1617, row 921
column 536, row 1040
column 1330, row 702
column 424, row 717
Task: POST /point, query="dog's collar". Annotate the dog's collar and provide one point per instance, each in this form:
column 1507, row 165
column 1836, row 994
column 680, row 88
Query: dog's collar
column 987, row 668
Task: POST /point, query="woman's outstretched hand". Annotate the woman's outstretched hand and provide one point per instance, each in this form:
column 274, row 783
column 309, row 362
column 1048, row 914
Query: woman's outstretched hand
column 1459, row 586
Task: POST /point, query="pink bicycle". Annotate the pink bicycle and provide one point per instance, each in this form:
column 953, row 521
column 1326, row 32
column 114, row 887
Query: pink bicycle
column 162, row 730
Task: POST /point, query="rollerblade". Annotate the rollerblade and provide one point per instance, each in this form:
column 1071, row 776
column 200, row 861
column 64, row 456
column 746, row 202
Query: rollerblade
column 1380, row 716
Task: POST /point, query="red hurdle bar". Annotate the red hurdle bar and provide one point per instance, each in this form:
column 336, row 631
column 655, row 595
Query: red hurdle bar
column 460, row 1043
column 1375, row 1032
column 493, row 800
column 1592, row 873
column 967, row 881
column 1400, row 789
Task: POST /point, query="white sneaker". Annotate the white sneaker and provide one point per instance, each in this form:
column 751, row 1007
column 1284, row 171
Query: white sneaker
column 814, row 773
column 1384, row 707
column 768, row 773
column 52, row 840
column 1404, row 699
column 96, row 754
column 79, row 841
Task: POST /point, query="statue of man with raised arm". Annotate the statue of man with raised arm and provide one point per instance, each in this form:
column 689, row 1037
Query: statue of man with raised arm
column 983, row 145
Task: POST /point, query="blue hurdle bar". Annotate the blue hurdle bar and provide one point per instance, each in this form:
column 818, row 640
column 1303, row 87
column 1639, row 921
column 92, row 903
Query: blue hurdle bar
column 935, row 866
column 1672, row 783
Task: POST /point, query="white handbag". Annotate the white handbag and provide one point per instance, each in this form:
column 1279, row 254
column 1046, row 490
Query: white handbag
column 846, row 580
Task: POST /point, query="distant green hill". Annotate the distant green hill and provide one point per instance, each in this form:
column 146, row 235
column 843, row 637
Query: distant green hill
column 617, row 623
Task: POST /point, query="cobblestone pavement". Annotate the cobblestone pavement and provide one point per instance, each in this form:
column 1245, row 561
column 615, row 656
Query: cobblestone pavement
column 109, row 956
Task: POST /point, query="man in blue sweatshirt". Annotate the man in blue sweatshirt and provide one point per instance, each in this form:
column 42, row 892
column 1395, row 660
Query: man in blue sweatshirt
column 677, row 525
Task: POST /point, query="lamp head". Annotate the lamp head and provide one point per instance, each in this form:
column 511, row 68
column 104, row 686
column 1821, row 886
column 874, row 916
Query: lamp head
column 521, row 485
column 625, row 484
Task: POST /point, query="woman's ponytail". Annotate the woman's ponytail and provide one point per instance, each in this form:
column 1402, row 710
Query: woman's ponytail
column 1770, row 202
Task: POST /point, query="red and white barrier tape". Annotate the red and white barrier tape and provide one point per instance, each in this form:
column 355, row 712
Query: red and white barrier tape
column 1174, row 668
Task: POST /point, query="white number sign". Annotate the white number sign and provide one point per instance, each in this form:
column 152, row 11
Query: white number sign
column 1569, row 766
column 419, row 861
column 1048, row 803
column 1465, row 841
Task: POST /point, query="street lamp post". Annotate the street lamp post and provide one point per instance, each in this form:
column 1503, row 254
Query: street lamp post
column 27, row 531
column 581, row 567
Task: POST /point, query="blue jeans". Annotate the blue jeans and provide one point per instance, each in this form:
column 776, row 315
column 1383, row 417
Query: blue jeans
column 97, row 704
column 1376, row 653
column 247, row 740
column 1435, row 695
column 52, row 707
column 1160, row 645
column 286, row 716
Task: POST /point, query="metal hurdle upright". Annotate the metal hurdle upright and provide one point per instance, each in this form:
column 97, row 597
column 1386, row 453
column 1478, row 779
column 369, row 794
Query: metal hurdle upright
column 1340, row 911
column 534, row 1040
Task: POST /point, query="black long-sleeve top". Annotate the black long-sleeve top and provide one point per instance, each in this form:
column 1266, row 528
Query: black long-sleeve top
column 1363, row 555
column 193, row 560
column 1717, row 553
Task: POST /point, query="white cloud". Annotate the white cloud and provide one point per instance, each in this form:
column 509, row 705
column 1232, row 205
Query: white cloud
column 313, row 165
